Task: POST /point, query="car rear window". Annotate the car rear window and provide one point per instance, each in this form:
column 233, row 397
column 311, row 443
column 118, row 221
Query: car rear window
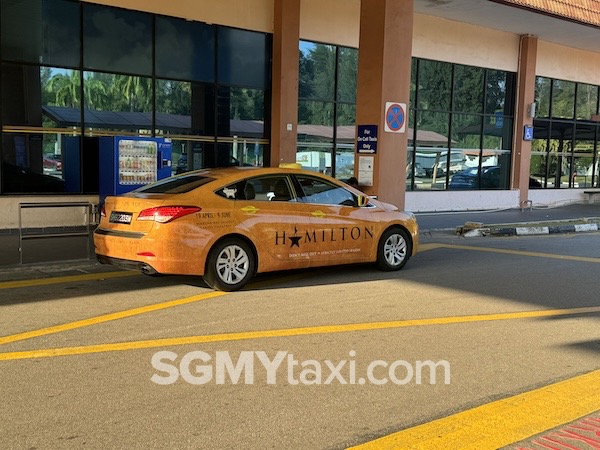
column 177, row 185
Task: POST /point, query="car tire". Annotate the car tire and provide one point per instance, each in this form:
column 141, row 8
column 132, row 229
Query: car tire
column 394, row 249
column 230, row 265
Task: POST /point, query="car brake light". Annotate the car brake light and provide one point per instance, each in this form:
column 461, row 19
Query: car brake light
column 164, row 214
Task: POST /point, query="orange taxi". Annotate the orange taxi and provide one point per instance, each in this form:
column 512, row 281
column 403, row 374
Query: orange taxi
column 228, row 224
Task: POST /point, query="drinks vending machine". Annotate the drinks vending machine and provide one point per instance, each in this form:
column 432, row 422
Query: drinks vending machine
column 127, row 163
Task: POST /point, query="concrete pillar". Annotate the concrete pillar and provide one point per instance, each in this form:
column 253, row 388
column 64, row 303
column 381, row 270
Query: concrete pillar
column 284, row 104
column 521, row 156
column 384, row 60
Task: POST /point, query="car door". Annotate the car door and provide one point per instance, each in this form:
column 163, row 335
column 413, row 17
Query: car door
column 341, row 231
column 268, row 208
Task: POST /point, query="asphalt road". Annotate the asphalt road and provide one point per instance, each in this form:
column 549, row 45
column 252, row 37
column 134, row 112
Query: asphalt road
column 506, row 316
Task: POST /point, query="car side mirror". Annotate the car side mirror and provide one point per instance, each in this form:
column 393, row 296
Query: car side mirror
column 362, row 200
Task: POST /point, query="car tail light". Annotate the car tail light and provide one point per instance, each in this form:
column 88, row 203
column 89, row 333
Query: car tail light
column 164, row 214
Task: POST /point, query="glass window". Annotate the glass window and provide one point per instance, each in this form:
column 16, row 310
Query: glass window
column 587, row 101
column 345, row 135
column 45, row 99
column 413, row 79
column 582, row 170
column 499, row 92
column 41, row 31
column 184, row 50
column 315, row 136
column 497, row 133
column 347, row 74
column 117, row 40
column 434, row 85
column 243, row 58
column 317, row 71
column 468, row 89
column 563, row 99
column 117, row 102
column 322, row 192
column 184, row 107
column 538, row 171
column 431, row 148
column 542, row 96
column 466, row 144
column 241, row 112
column 179, row 185
column 265, row 188
column 318, row 115
column 560, row 151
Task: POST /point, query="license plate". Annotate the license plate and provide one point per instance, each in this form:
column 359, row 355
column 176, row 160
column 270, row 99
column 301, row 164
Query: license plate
column 120, row 217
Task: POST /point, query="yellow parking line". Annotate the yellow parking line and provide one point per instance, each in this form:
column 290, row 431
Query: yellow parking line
column 106, row 318
column 261, row 334
column 425, row 247
column 503, row 422
column 131, row 312
column 65, row 279
column 522, row 253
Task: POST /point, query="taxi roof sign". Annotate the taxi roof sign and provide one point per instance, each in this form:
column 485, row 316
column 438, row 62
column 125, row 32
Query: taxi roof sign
column 290, row 166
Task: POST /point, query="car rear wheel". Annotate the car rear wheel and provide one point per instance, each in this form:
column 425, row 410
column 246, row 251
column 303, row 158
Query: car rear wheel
column 393, row 250
column 230, row 265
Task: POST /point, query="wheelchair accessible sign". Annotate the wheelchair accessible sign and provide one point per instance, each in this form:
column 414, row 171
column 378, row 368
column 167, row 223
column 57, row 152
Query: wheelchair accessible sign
column 395, row 117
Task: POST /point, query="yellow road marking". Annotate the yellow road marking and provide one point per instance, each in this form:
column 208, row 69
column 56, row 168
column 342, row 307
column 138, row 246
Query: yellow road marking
column 106, row 318
column 503, row 422
column 426, row 247
column 521, row 253
column 261, row 334
column 65, row 279
column 131, row 312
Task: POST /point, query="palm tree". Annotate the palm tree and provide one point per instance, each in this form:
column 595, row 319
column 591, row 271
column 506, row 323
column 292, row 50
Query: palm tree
column 137, row 91
column 96, row 93
column 64, row 89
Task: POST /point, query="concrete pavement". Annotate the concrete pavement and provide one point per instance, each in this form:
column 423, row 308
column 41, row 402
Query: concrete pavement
column 511, row 218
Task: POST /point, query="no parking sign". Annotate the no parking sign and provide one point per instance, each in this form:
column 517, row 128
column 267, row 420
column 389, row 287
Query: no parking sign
column 395, row 117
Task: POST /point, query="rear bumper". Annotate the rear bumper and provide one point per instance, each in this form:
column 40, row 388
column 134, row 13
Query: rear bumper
column 127, row 264
column 150, row 253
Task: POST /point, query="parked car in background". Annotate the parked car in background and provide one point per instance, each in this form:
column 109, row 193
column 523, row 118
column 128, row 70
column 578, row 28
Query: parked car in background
column 16, row 179
column 470, row 179
column 52, row 164
column 420, row 171
column 492, row 177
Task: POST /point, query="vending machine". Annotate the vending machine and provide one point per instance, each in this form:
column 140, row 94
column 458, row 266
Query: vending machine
column 127, row 163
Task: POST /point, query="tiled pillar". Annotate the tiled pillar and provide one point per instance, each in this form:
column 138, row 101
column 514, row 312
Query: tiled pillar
column 521, row 157
column 284, row 104
column 385, row 48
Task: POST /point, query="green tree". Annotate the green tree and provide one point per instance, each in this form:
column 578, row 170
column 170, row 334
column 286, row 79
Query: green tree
column 96, row 93
column 65, row 89
column 130, row 93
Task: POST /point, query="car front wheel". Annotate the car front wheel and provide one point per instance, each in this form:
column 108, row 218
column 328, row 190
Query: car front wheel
column 394, row 249
column 230, row 265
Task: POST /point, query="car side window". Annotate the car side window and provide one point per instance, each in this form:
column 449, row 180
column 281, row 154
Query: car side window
column 262, row 188
column 323, row 192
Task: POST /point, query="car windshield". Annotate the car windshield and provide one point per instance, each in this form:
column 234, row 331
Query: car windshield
column 177, row 185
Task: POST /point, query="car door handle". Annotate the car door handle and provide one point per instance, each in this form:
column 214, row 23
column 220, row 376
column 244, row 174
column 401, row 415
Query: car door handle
column 249, row 209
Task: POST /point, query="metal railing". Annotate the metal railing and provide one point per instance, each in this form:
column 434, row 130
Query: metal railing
column 90, row 213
